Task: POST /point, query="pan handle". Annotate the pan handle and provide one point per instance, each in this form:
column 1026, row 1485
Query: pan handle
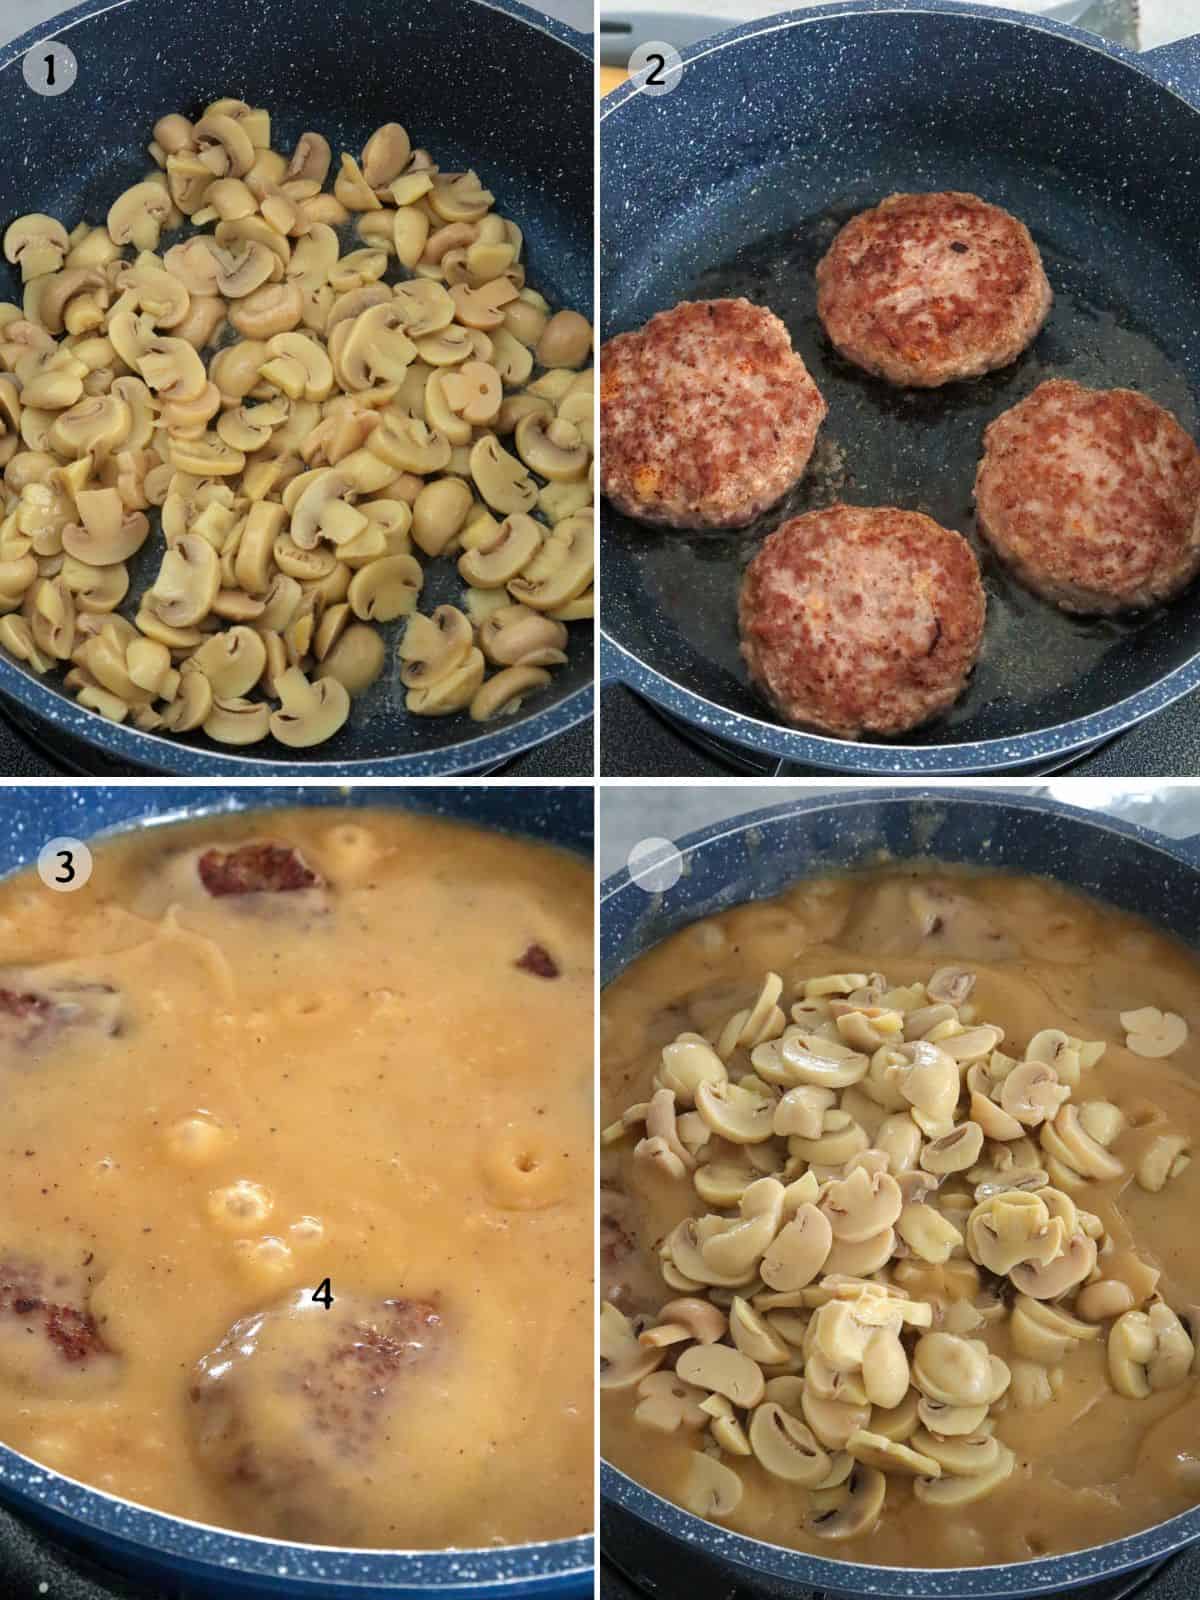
column 1177, row 65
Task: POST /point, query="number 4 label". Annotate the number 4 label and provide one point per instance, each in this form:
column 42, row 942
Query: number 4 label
column 323, row 1294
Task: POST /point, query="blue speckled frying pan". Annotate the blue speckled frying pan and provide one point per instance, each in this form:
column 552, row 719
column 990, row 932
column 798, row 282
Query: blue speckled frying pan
column 169, row 1551
column 735, row 183
column 483, row 83
column 758, row 855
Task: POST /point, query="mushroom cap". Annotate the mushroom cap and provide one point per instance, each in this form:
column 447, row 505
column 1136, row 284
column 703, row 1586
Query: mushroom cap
column 952, row 1369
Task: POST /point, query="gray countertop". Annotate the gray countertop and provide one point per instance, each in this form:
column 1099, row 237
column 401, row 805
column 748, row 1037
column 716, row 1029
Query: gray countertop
column 630, row 815
column 18, row 16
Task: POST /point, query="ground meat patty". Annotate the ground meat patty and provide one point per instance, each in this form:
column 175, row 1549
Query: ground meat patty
column 50, row 1342
column 39, row 1005
column 929, row 288
column 261, row 867
column 298, row 1405
column 857, row 620
column 1092, row 496
column 707, row 415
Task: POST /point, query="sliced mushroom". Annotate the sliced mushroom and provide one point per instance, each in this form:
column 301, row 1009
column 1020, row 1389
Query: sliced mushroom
column 187, row 583
column 501, row 479
column 37, row 243
column 566, row 340
column 386, row 589
column 712, row 1488
column 719, row 1369
column 1046, row 1281
column 232, row 662
column 801, row 1058
column 1153, row 1033
column 953, row 985
column 858, row 1509
column 1163, row 1158
column 438, row 514
column 409, row 445
column 860, row 1205
column 138, row 216
column 785, row 1447
column 927, row 1233
column 954, row 1151
column 928, row 1079
column 109, row 534
column 736, row 1114
column 958, row 1491
column 553, row 448
column 890, row 1455
column 385, row 155
column 472, row 391
column 1066, row 1140
column 1009, row 1228
column 1148, row 1351
column 236, row 722
column 624, row 1362
column 505, row 692
column 952, row 1369
column 688, row 1062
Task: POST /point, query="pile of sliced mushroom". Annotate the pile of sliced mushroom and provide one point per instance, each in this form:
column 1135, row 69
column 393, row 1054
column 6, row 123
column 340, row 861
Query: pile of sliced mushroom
column 351, row 415
column 878, row 1185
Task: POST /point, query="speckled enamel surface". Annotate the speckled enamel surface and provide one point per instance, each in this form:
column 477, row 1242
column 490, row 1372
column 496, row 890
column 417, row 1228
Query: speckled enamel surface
column 483, row 83
column 758, row 855
column 1096, row 149
column 170, row 1549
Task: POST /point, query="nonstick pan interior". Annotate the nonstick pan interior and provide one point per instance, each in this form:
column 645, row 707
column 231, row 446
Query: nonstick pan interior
column 491, row 86
column 789, row 133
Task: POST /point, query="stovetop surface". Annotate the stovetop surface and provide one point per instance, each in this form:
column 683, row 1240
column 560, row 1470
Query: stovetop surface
column 1176, row 1579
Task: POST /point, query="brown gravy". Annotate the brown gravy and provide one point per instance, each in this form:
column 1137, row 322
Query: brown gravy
column 211, row 1104
column 1091, row 1466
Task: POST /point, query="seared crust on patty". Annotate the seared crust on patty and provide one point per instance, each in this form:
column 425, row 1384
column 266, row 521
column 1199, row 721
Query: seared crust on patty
column 1092, row 496
column 929, row 288
column 707, row 415
column 860, row 620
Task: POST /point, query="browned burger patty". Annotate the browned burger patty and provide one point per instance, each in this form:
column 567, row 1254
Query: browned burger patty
column 1092, row 496
column 860, row 620
column 707, row 415
column 929, row 288
column 298, row 1402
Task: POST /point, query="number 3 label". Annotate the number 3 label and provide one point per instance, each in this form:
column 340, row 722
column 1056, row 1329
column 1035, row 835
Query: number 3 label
column 65, row 865
column 50, row 68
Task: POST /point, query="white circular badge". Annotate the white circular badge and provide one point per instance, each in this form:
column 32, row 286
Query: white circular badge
column 50, row 68
column 655, row 865
column 65, row 865
column 662, row 64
